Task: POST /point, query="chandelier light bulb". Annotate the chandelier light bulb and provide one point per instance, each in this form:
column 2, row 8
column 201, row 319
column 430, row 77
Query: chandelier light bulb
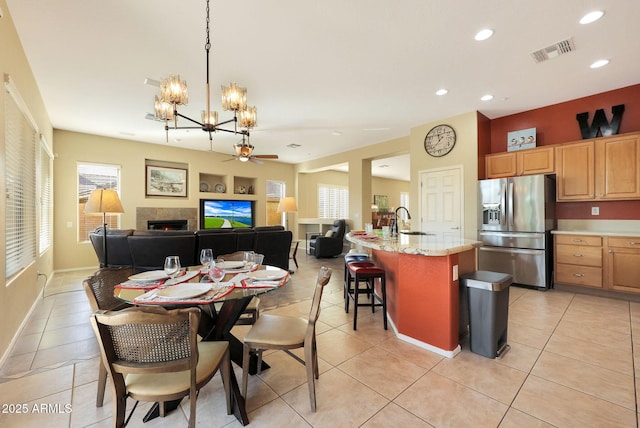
column 248, row 118
column 210, row 119
column 234, row 97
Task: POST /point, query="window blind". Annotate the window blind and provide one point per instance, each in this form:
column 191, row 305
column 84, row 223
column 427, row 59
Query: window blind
column 333, row 201
column 20, row 165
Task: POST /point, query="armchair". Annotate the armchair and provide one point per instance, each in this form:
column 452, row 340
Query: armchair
column 331, row 244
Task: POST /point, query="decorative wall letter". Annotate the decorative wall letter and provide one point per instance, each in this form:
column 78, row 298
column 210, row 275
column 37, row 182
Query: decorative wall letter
column 600, row 122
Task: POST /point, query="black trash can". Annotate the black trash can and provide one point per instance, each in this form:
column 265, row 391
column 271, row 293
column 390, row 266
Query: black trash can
column 488, row 303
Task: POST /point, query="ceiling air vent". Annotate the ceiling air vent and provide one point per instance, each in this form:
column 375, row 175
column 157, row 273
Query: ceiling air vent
column 555, row 50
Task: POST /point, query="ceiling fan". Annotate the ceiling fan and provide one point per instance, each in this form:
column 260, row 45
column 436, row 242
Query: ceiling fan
column 244, row 153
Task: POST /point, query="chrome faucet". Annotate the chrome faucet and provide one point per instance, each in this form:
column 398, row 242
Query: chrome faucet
column 394, row 229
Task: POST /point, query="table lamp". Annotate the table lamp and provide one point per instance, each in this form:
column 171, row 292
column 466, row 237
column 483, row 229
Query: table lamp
column 104, row 201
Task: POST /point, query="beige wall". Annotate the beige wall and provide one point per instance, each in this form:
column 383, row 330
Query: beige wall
column 18, row 295
column 308, row 183
column 71, row 148
column 465, row 154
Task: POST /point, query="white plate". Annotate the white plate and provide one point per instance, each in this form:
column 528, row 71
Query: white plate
column 152, row 275
column 219, row 188
column 183, row 278
column 184, row 291
column 204, row 186
column 268, row 274
column 231, row 264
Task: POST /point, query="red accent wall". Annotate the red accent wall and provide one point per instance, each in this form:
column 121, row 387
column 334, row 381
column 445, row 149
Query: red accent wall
column 557, row 124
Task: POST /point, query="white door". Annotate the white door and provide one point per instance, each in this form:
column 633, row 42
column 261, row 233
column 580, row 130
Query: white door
column 441, row 201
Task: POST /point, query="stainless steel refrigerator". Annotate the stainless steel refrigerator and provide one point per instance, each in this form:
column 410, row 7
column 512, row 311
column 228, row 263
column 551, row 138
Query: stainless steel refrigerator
column 516, row 216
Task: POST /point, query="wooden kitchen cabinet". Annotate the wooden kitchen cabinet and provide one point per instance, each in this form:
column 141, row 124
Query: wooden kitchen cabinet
column 575, row 169
column 602, row 169
column 623, row 264
column 522, row 162
column 618, row 167
column 578, row 260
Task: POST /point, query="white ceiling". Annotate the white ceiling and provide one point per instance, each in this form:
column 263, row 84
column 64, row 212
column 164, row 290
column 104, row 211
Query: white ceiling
column 328, row 75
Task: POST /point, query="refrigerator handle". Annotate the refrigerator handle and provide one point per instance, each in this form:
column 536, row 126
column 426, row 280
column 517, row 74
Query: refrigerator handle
column 510, row 207
column 503, row 201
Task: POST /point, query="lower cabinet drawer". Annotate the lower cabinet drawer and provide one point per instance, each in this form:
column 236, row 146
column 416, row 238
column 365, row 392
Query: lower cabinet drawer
column 579, row 275
column 579, row 255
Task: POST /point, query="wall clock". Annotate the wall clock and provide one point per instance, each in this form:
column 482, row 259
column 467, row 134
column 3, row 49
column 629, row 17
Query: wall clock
column 440, row 140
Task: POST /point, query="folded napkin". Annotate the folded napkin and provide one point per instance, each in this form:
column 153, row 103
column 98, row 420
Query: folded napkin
column 262, row 283
column 212, row 295
column 140, row 285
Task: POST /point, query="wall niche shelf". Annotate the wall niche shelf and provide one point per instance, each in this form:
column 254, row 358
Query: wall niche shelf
column 212, row 183
column 244, row 185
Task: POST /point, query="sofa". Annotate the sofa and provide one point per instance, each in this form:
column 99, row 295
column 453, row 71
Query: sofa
column 146, row 250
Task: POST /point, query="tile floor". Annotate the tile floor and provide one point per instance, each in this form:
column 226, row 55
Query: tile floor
column 571, row 364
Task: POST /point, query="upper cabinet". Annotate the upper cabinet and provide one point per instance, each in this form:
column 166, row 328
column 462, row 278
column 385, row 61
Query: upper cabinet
column 522, row 162
column 601, row 169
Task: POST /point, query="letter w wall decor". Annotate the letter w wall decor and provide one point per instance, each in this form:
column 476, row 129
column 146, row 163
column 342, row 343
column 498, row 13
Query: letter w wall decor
column 600, row 122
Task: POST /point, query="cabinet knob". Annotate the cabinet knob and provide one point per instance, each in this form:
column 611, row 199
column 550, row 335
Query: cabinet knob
column 593, row 196
column 579, row 275
column 577, row 240
column 610, row 251
column 634, row 243
column 577, row 255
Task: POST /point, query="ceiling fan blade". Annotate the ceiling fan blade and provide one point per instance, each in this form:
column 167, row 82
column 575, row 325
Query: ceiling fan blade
column 266, row 156
column 256, row 161
column 232, row 158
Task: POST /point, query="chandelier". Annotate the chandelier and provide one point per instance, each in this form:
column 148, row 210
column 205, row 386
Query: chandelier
column 173, row 93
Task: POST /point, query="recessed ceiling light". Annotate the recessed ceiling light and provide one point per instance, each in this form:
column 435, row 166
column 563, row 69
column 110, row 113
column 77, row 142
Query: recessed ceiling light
column 600, row 63
column 442, row 92
column 383, row 166
column 591, row 17
column 487, row 97
column 336, row 133
column 293, row 145
column 483, row 34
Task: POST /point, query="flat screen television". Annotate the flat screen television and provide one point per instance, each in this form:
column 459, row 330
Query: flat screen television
column 226, row 213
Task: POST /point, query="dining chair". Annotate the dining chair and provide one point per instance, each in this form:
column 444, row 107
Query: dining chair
column 286, row 333
column 99, row 288
column 153, row 354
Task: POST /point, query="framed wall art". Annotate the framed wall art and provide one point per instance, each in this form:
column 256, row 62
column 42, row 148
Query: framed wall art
column 520, row 140
column 163, row 181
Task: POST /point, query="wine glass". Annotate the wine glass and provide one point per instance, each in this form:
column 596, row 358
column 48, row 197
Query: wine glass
column 216, row 270
column 172, row 266
column 206, row 257
column 248, row 258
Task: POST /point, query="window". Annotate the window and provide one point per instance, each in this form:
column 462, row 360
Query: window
column 91, row 177
column 20, row 165
column 275, row 191
column 333, row 201
column 45, row 171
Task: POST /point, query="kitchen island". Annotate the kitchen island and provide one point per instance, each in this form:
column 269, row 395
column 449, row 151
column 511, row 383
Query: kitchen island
column 422, row 285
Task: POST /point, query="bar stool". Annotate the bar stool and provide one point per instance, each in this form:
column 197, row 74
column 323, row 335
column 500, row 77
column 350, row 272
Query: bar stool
column 348, row 278
column 353, row 256
column 368, row 273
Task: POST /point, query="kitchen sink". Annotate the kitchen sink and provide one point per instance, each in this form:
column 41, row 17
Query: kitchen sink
column 414, row 232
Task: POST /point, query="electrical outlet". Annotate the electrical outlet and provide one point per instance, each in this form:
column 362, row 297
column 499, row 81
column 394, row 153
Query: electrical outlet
column 595, row 210
column 455, row 272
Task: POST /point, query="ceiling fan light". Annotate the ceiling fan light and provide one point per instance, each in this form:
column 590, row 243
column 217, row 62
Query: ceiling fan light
column 163, row 109
column 234, row 97
column 210, row 119
column 243, row 158
column 248, row 118
column 174, row 91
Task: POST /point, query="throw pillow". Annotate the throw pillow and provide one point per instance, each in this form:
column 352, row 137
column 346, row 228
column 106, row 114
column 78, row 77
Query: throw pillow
column 329, row 234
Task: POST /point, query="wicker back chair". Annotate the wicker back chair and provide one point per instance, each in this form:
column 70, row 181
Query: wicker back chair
column 99, row 289
column 286, row 333
column 153, row 354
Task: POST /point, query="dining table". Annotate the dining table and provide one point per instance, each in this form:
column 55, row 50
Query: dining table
column 221, row 305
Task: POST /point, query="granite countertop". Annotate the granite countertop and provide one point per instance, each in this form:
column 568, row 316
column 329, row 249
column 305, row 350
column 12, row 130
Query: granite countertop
column 441, row 244
column 634, row 233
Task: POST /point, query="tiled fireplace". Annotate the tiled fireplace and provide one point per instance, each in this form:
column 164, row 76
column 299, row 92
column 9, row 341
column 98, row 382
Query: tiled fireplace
column 143, row 215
